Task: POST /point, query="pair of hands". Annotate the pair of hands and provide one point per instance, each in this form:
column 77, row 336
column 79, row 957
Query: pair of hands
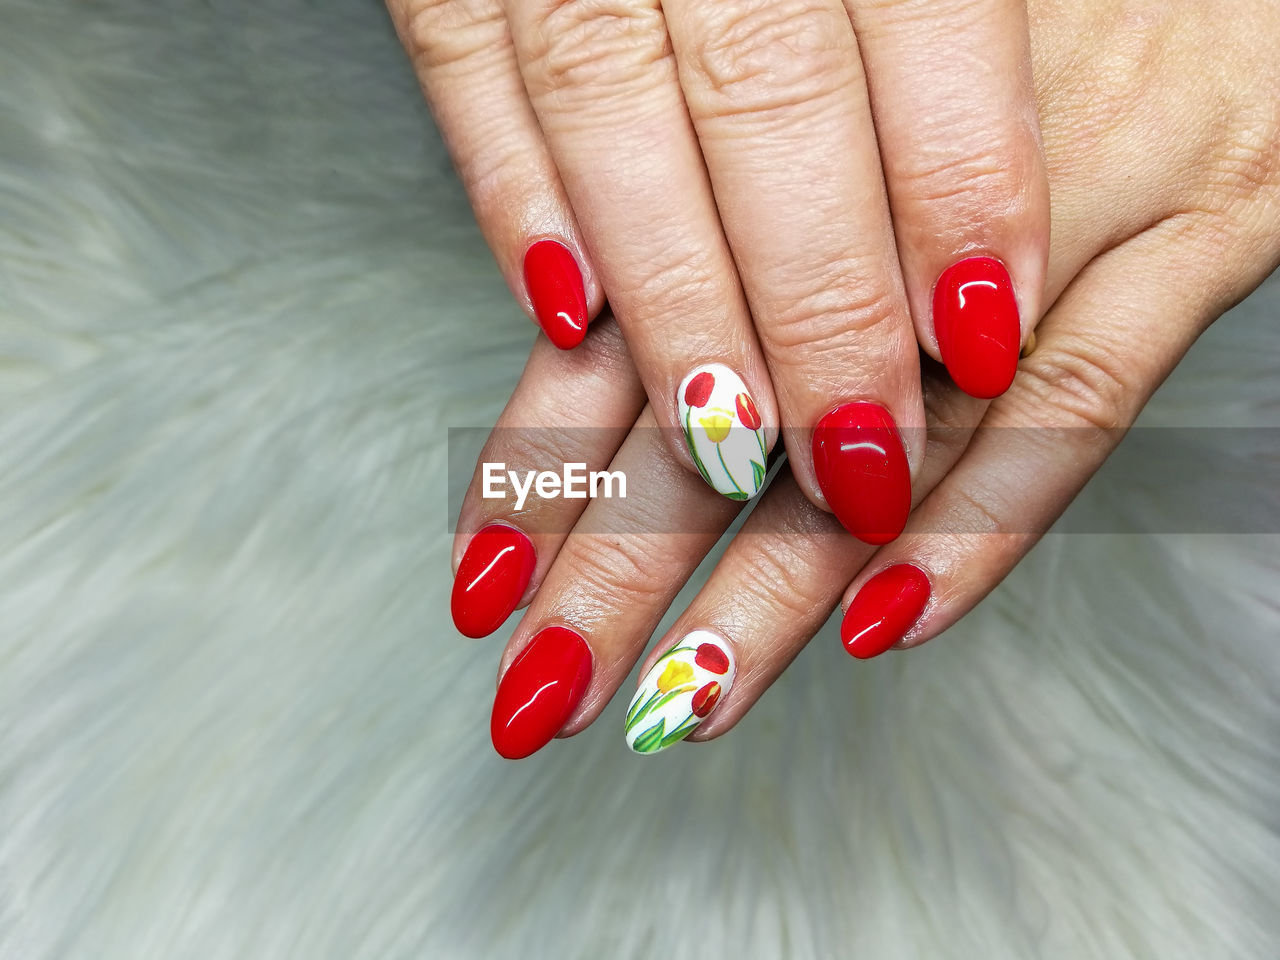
column 1161, row 143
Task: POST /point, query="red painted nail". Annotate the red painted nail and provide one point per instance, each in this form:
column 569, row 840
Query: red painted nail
column 555, row 287
column 887, row 606
column 539, row 691
column 862, row 470
column 491, row 579
column 975, row 316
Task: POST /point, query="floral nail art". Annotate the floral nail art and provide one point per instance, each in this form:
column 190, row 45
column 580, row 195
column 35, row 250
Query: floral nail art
column 723, row 431
column 679, row 691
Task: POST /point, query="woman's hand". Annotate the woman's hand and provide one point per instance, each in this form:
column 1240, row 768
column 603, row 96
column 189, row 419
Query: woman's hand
column 856, row 176
column 1164, row 155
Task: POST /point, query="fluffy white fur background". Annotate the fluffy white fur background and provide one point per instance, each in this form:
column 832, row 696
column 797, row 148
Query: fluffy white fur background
column 241, row 300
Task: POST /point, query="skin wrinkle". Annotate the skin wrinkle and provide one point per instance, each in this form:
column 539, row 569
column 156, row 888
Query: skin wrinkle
column 588, row 55
column 444, row 33
column 809, row 328
column 765, row 57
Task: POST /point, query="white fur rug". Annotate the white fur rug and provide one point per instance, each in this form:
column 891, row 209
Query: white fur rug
column 241, row 300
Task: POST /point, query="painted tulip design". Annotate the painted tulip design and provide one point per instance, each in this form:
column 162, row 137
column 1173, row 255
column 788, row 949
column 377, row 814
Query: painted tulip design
column 676, row 674
column 705, row 699
column 680, row 690
column 724, row 431
column 712, row 658
column 698, row 390
column 716, row 426
column 747, row 411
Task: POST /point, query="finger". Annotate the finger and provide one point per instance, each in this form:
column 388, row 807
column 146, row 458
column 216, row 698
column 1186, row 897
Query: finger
column 777, row 582
column 777, row 95
column 770, row 596
column 574, row 408
column 604, row 86
column 1109, row 342
column 775, row 585
column 955, row 117
column 608, row 588
column 461, row 51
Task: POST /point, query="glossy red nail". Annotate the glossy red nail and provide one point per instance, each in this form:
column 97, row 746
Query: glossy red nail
column 491, row 579
column 539, row 691
column 555, row 287
column 862, row 470
column 975, row 316
column 887, row 606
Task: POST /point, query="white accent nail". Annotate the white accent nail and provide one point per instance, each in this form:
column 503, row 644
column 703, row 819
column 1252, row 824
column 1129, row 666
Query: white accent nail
column 723, row 430
column 679, row 691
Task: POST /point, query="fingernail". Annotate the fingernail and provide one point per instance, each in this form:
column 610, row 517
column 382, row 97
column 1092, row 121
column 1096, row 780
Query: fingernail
column 975, row 316
column 555, row 286
column 492, row 577
column 723, row 431
column 539, row 691
column 862, row 470
column 679, row 691
column 887, row 606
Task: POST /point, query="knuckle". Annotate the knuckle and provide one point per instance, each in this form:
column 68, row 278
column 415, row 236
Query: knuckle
column 1096, row 88
column 899, row 12
column 440, row 33
column 1079, row 384
column 832, row 314
column 524, row 448
column 619, row 567
column 1245, row 161
column 1137, row 44
column 592, row 49
column 992, row 177
column 676, row 281
column 767, row 54
column 782, row 578
column 972, row 511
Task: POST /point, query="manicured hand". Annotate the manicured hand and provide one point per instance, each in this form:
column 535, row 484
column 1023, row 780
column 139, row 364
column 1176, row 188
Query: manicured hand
column 1163, row 157
column 782, row 198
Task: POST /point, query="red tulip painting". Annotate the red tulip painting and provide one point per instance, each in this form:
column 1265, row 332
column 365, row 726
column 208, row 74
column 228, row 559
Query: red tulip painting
column 712, row 658
column 747, row 411
column 705, row 699
column 698, row 390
